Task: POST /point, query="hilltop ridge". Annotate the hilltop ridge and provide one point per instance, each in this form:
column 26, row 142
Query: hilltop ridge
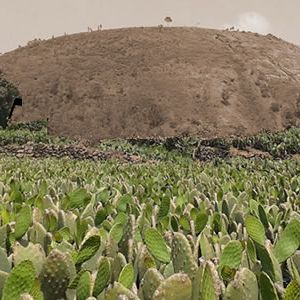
column 157, row 82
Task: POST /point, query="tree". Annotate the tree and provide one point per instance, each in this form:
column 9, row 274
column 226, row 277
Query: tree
column 168, row 20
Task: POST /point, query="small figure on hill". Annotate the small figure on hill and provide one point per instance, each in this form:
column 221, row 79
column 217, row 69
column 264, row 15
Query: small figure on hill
column 100, row 27
column 90, row 29
column 168, row 20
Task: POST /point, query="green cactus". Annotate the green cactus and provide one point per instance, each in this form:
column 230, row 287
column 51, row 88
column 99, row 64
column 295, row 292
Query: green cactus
column 37, row 235
column 168, row 270
column 76, row 199
column 116, row 232
column 292, row 291
column 207, row 250
column 3, row 277
column 127, row 241
column 294, row 266
column 144, row 262
column 267, row 288
column 34, row 253
column 118, row 263
column 266, row 261
column 74, row 283
column 150, row 283
column 103, row 276
column 182, row 256
column 232, row 255
column 177, row 286
column 251, row 250
column 289, row 241
column 88, row 250
column 55, row 275
column 84, row 287
column 164, row 207
column 263, row 216
column 156, row 245
column 210, row 283
column 3, row 236
column 101, row 215
column 23, row 221
column 35, row 291
column 5, row 264
column 255, row 230
column 19, row 281
column 244, row 286
column 118, row 291
column 200, row 222
column 126, row 277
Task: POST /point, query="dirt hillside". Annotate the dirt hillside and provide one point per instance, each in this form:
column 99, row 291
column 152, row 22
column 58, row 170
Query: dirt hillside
column 158, row 81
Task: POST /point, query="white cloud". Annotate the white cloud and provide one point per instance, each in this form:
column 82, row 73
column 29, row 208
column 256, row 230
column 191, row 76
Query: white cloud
column 251, row 21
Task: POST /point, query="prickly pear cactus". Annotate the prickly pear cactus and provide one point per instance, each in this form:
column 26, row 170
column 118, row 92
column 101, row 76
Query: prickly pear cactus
column 144, row 262
column 8, row 93
column 55, row 276
column 178, row 286
column 232, row 255
column 118, row 263
column 23, row 221
column 182, row 256
column 267, row 288
column 118, row 291
column 5, row 264
column 34, row 253
column 255, row 229
column 210, row 287
column 19, row 281
column 294, row 266
column 126, row 277
column 150, row 283
column 88, row 250
column 156, row 245
column 289, row 241
column 3, row 277
column 292, row 291
column 84, row 287
column 103, row 276
column 244, row 286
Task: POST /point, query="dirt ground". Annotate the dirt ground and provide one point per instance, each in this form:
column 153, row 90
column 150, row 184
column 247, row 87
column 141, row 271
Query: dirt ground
column 157, row 82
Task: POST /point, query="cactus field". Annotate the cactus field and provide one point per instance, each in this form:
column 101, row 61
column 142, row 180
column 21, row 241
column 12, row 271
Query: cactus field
column 165, row 227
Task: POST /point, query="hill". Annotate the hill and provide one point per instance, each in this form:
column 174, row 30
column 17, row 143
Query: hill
column 157, row 81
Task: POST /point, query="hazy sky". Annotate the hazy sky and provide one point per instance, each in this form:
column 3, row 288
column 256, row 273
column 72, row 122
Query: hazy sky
column 24, row 20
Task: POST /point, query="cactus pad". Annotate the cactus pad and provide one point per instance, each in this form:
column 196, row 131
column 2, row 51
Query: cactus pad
column 177, row 286
column 244, row 286
column 118, row 291
column 292, row 291
column 126, row 277
column 33, row 252
column 150, row 283
column 232, row 255
column 55, row 276
column 84, row 287
column 19, row 281
column 156, row 245
column 182, row 255
column 103, row 276
column 88, row 249
column 23, row 221
column 255, row 229
column 289, row 241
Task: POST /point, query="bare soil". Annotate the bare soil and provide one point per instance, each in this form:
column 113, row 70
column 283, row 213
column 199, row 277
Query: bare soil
column 150, row 82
